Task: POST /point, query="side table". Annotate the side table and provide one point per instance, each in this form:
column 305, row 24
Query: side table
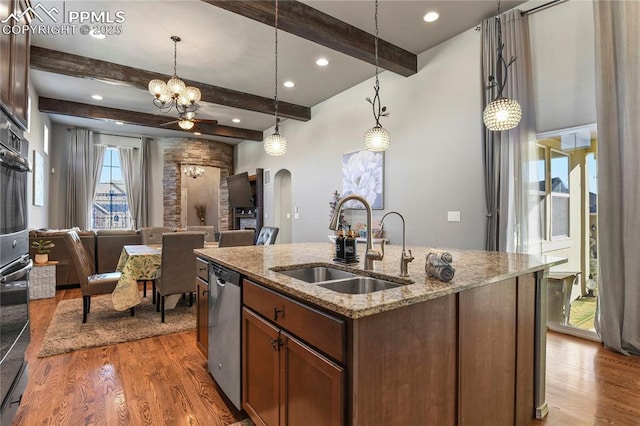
column 42, row 281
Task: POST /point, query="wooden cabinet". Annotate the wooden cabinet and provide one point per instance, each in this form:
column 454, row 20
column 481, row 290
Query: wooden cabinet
column 285, row 380
column 14, row 63
column 202, row 306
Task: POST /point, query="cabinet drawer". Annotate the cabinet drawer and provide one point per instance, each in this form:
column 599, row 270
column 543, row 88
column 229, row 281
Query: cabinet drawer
column 314, row 327
column 202, row 269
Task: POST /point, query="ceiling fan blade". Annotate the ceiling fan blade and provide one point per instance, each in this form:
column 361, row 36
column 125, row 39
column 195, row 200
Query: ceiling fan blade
column 170, row 122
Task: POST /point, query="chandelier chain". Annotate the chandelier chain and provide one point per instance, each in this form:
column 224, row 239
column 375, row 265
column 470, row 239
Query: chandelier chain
column 175, row 57
column 275, row 99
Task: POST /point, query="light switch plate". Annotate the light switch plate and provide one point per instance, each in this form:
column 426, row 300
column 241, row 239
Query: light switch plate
column 453, row 216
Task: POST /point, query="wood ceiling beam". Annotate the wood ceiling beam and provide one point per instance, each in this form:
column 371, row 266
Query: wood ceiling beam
column 75, row 109
column 82, row 67
column 306, row 22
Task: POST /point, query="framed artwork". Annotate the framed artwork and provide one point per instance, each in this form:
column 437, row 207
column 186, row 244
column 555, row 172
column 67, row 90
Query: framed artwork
column 363, row 174
column 38, row 179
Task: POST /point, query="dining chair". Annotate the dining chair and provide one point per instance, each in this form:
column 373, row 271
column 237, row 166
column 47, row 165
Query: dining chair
column 152, row 235
column 90, row 284
column 267, row 235
column 209, row 232
column 236, row 238
column 177, row 266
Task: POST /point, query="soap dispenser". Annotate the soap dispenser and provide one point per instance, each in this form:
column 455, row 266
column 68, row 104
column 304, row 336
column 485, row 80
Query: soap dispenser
column 350, row 247
column 340, row 244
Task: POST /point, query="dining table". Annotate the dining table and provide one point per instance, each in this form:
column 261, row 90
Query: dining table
column 139, row 262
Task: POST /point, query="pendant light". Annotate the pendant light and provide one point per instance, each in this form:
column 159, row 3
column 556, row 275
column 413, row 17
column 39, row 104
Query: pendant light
column 276, row 144
column 502, row 113
column 377, row 138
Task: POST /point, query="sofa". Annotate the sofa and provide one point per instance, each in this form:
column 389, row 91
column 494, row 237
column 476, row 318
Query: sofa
column 104, row 248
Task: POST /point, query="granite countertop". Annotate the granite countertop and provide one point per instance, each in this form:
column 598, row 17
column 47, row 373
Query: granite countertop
column 474, row 268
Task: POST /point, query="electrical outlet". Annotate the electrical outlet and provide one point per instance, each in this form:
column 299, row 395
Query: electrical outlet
column 453, row 216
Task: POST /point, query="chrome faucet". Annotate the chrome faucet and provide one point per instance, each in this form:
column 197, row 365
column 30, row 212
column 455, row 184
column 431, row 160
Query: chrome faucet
column 370, row 254
column 404, row 259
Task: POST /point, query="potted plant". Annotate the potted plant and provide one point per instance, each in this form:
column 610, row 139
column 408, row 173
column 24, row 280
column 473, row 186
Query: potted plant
column 43, row 247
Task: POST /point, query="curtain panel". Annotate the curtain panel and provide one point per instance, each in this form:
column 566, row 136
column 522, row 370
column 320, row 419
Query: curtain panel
column 132, row 175
column 617, row 35
column 514, row 221
column 83, row 171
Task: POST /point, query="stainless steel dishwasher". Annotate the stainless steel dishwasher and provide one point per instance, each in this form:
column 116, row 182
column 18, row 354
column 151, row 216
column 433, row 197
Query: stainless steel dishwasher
column 225, row 306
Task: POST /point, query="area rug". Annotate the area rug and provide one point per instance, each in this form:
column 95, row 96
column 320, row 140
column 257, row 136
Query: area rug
column 245, row 422
column 106, row 326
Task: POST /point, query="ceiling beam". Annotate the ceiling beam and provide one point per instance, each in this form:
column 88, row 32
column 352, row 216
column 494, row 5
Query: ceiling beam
column 82, row 67
column 75, row 109
column 306, row 22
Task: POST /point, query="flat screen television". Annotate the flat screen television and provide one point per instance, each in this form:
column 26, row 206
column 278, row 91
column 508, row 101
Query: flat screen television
column 240, row 190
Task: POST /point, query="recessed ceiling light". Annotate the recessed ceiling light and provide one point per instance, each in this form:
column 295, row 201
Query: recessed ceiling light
column 322, row 62
column 431, row 16
column 98, row 35
column 119, row 123
column 197, row 133
column 236, row 120
column 289, row 84
column 97, row 97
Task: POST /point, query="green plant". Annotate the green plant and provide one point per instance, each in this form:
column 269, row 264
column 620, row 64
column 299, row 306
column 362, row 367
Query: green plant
column 43, row 246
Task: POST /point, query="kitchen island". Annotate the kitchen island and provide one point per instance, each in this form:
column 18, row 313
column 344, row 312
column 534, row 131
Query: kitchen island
column 470, row 351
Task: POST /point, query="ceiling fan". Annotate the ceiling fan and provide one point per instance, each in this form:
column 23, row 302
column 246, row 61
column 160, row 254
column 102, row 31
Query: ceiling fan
column 188, row 120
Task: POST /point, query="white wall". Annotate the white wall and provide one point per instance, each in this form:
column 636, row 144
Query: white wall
column 433, row 165
column 38, row 215
column 563, row 58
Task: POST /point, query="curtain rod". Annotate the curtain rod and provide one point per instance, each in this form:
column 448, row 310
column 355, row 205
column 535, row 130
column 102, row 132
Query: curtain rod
column 543, row 7
column 110, row 134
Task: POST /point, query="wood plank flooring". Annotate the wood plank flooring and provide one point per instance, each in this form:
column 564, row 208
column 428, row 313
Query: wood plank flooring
column 157, row 381
column 163, row 381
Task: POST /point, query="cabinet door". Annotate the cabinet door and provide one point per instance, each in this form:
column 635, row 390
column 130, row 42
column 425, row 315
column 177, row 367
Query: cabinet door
column 202, row 317
column 6, row 7
column 312, row 387
column 20, row 69
column 260, row 360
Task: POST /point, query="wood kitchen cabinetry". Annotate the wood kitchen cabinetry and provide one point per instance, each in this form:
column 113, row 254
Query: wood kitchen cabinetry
column 14, row 63
column 202, row 306
column 286, row 381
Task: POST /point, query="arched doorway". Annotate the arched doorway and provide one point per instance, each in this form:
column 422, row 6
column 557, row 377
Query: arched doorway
column 282, row 205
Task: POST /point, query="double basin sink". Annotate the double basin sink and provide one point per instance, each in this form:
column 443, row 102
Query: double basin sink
column 338, row 280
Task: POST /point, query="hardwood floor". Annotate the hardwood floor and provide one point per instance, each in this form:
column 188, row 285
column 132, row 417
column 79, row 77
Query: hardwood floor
column 156, row 381
column 164, row 381
column 588, row 384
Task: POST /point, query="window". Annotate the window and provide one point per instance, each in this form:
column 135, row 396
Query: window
column 46, row 139
column 549, row 193
column 559, row 194
column 110, row 208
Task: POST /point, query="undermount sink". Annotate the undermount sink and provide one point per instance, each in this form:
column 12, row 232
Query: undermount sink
column 359, row 285
column 317, row 274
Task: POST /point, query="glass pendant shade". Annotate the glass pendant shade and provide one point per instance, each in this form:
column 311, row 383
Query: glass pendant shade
column 157, row 87
column 175, row 86
column 192, row 94
column 275, row 145
column 185, row 124
column 377, row 139
column 502, row 114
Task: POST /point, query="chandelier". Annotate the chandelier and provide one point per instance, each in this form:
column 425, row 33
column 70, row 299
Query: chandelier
column 502, row 113
column 175, row 93
column 276, row 144
column 377, row 138
column 194, row 171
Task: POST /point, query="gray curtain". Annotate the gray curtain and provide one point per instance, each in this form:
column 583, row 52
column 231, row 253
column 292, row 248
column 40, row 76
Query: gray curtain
column 513, row 219
column 145, row 185
column 617, row 34
column 132, row 174
column 83, row 166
